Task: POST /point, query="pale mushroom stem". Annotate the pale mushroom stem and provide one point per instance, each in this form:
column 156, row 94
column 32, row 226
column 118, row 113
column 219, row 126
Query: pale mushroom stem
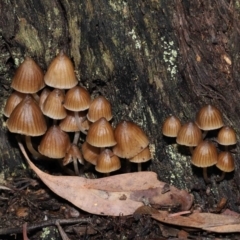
column 76, row 137
column 139, row 167
column 221, row 177
column 36, row 97
column 205, row 175
column 29, row 145
column 79, row 122
column 75, row 165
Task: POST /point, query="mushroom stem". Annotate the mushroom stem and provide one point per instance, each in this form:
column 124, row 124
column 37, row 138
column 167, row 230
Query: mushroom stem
column 79, row 122
column 36, row 97
column 221, row 177
column 75, row 165
column 76, row 137
column 139, row 167
column 29, row 145
column 205, row 175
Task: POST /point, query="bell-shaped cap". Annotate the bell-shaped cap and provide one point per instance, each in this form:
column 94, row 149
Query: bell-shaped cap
column 100, row 134
column 77, row 99
column 143, row 156
column 43, row 96
column 60, row 73
column 130, row 138
column 54, row 143
column 28, row 77
column 53, row 105
column 90, row 153
column 27, row 118
column 204, row 155
column 171, row 126
column 189, row 135
column 209, row 118
column 99, row 107
column 225, row 162
column 14, row 99
column 227, row 136
column 107, row 162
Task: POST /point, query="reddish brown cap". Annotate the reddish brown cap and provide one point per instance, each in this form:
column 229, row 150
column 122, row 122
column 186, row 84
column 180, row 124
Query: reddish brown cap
column 73, row 153
column 43, row 96
column 60, row 73
column 171, row 126
column 28, row 77
column 99, row 107
column 53, row 107
column 189, row 135
column 54, row 143
column 100, row 134
column 209, row 118
column 227, row 136
column 204, row 155
column 143, row 156
column 77, row 99
column 27, row 118
column 14, row 99
column 225, row 162
column 90, row 153
column 107, row 162
column 130, row 138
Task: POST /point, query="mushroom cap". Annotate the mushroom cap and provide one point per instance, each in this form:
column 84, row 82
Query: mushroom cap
column 54, row 143
column 189, row 135
column 143, row 156
column 100, row 134
column 130, row 138
column 69, row 124
column 171, row 126
column 27, row 118
column 99, row 107
column 209, row 118
column 14, row 99
column 90, row 153
column 225, row 162
column 204, row 155
column 227, row 136
column 43, row 96
column 77, row 99
column 28, row 77
column 53, row 107
column 107, row 162
column 73, row 153
column 60, row 73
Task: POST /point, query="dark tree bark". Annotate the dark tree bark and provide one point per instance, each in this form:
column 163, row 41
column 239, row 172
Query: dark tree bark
column 149, row 58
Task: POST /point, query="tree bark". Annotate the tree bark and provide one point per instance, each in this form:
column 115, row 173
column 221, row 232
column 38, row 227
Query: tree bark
column 149, row 58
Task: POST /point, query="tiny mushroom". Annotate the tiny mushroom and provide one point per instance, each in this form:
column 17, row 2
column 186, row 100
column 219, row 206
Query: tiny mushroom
column 27, row 119
column 55, row 143
column 171, row 127
column 131, row 140
column 209, row 118
column 107, row 162
column 204, row 156
column 90, row 153
column 226, row 137
column 73, row 155
column 189, row 135
column 225, row 163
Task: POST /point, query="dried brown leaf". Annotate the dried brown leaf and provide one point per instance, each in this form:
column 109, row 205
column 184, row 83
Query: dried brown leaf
column 115, row 195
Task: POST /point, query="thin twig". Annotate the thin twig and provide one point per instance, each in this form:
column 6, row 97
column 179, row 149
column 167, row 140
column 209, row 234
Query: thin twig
column 6, row 231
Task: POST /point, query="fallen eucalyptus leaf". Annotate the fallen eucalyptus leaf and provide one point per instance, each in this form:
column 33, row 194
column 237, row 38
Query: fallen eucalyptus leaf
column 115, row 195
column 206, row 221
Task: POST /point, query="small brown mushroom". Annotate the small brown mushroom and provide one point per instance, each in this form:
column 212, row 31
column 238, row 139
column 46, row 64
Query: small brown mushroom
column 226, row 137
column 171, row 127
column 204, row 156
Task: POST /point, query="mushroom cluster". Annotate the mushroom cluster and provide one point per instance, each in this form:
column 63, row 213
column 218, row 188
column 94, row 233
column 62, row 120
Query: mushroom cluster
column 204, row 153
column 54, row 105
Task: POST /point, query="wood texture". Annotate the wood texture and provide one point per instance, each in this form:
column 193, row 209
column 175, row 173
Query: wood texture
column 149, row 58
